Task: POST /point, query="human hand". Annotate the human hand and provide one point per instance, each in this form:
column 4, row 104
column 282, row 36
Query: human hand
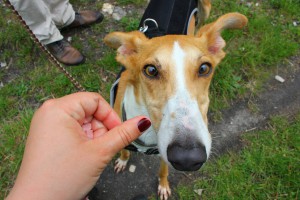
column 70, row 142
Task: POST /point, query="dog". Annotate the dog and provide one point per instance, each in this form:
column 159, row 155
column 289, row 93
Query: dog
column 167, row 78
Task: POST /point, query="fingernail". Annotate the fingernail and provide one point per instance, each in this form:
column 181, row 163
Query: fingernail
column 144, row 124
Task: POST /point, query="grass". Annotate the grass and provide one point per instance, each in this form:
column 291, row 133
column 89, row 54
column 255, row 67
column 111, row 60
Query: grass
column 12, row 136
column 269, row 38
column 253, row 54
column 267, row 168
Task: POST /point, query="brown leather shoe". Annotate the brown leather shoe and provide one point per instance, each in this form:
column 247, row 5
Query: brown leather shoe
column 65, row 53
column 85, row 18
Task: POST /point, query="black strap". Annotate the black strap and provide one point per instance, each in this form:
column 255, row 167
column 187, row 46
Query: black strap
column 150, row 151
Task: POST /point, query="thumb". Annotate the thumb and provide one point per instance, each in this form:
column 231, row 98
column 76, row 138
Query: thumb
column 121, row 136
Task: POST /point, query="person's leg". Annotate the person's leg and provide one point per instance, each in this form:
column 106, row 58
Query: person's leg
column 63, row 15
column 62, row 12
column 37, row 16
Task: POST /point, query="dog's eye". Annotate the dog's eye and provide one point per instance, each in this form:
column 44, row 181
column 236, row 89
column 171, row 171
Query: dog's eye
column 205, row 69
column 150, row 71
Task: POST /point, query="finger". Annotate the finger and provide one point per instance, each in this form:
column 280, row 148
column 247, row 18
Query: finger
column 121, row 136
column 98, row 128
column 106, row 115
column 82, row 105
column 88, row 119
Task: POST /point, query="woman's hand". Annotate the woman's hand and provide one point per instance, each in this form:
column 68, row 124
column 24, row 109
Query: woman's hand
column 70, row 142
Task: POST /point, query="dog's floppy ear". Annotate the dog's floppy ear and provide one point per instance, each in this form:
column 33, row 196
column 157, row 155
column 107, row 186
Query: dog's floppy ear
column 127, row 44
column 211, row 33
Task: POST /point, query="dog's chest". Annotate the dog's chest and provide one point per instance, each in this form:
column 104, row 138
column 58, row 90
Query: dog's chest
column 130, row 109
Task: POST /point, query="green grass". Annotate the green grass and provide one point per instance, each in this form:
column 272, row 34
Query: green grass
column 135, row 2
column 267, row 168
column 13, row 134
column 252, row 54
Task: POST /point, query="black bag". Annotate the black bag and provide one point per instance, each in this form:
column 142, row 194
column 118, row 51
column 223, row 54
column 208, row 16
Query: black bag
column 172, row 17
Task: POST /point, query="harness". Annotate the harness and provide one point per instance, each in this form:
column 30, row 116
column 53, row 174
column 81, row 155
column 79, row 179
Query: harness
column 161, row 17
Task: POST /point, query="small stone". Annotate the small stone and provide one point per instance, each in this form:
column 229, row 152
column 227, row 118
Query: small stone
column 279, row 78
column 69, row 39
column 198, row 191
column 118, row 13
column 132, row 168
column 108, row 8
column 3, row 64
column 249, row 4
column 295, row 23
column 104, row 79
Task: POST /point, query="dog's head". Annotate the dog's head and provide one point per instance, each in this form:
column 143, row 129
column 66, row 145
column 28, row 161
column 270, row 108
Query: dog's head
column 171, row 77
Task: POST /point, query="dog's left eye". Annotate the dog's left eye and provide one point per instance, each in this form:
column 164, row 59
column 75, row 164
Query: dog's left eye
column 150, row 71
column 204, row 69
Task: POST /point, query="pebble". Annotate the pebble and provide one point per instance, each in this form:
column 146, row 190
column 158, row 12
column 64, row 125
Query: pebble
column 279, row 78
column 108, row 8
column 295, row 23
column 118, row 13
column 249, row 4
column 132, row 168
column 3, row 64
column 198, row 191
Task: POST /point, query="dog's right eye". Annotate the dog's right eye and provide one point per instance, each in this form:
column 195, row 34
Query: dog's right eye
column 150, row 71
column 205, row 69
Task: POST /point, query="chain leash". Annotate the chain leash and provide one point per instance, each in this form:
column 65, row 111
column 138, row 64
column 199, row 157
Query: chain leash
column 78, row 86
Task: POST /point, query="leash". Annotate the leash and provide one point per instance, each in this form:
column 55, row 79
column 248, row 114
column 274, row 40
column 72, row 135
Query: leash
column 56, row 63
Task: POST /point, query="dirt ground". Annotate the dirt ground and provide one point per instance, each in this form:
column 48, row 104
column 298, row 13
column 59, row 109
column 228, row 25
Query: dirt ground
column 275, row 99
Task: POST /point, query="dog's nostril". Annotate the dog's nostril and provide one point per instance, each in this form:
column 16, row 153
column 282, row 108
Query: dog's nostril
column 186, row 159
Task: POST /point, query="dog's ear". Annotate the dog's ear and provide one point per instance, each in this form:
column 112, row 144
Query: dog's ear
column 204, row 7
column 127, row 44
column 211, row 33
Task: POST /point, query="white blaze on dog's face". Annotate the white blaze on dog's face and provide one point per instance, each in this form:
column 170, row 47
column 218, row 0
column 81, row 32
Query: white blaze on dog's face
column 183, row 132
column 170, row 76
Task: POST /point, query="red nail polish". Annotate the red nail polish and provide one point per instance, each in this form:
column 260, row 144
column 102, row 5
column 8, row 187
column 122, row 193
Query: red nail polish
column 144, row 124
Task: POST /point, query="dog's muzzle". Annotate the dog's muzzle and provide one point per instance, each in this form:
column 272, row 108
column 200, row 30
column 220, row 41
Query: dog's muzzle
column 186, row 158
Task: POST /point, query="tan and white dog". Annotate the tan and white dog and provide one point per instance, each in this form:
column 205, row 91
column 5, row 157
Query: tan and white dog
column 167, row 78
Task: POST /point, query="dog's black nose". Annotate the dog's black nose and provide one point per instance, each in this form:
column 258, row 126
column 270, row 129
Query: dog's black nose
column 186, row 159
